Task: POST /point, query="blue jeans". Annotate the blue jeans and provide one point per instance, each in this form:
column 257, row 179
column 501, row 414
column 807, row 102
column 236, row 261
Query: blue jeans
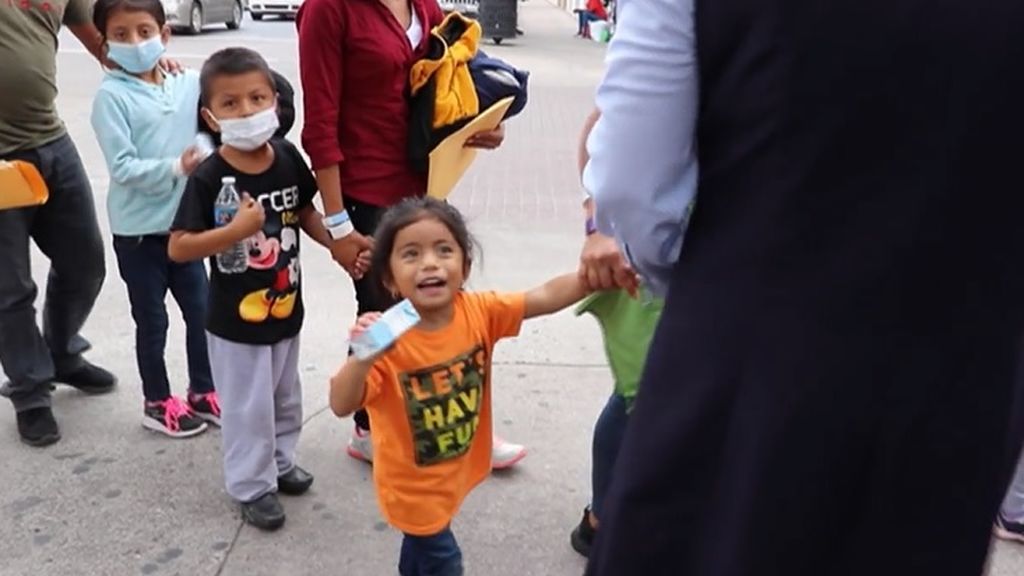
column 149, row 274
column 585, row 18
column 66, row 230
column 608, row 434
column 436, row 555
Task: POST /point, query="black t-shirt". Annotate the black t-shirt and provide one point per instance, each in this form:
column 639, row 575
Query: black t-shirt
column 262, row 305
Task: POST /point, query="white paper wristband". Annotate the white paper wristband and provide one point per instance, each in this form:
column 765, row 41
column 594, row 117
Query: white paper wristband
column 341, row 230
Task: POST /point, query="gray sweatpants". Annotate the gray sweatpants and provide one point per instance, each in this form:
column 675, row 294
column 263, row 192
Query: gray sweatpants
column 261, row 412
column 1013, row 506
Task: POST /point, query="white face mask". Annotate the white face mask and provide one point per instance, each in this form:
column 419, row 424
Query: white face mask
column 249, row 133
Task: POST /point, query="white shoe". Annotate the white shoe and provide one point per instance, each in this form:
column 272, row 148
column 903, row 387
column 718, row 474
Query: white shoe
column 506, row 454
column 503, row 454
column 360, row 446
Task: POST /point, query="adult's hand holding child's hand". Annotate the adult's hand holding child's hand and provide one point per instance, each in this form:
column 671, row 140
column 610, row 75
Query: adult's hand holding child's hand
column 363, row 262
column 348, row 253
column 603, row 266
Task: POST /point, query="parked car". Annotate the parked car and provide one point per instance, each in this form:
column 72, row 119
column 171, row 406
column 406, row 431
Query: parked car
column 283, row 8
column 192, row 15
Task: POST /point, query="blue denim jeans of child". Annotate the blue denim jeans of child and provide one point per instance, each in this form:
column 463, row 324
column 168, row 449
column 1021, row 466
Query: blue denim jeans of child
column 609, row 431
column 149, row 274
column 435, row 555
column 585, row 18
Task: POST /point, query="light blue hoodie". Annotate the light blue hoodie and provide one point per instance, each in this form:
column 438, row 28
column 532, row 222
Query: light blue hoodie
column 142, row 129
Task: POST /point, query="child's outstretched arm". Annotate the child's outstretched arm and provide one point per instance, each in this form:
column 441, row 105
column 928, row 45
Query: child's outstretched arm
column 554, row 295
column 187, row 246
column 348, row 386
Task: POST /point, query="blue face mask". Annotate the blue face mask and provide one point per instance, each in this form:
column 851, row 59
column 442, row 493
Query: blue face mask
column 136, row 58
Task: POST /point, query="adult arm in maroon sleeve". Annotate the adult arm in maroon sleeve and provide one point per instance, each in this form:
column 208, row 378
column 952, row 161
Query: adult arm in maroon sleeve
column 320, row 25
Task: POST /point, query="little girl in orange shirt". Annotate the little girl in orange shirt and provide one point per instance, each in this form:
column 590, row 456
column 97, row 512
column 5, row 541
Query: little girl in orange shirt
column 429, row 394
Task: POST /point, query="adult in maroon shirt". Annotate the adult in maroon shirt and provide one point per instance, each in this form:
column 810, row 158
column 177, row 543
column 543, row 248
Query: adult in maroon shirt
column 354, row 60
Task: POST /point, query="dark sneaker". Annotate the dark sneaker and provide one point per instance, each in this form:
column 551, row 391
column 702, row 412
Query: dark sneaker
column 172, row 417
column 1009, row 531
column 206, row 406
column 582, row 536
column 37, row 427
column 264, row 513
column 88, row 378
column 295, row 481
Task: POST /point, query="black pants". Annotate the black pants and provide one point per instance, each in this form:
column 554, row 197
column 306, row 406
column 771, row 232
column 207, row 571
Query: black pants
column 148, row 274
column 370, row 295
column 66, row 231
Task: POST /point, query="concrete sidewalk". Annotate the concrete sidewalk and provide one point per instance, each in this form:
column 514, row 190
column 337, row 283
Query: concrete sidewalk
column 113, row 499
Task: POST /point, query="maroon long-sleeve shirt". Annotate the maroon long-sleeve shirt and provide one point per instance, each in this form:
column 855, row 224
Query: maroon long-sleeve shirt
column 354, row 61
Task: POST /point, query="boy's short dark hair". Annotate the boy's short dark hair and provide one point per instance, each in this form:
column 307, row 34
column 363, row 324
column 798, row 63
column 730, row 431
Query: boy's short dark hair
column 232, row 62
column 102, row 10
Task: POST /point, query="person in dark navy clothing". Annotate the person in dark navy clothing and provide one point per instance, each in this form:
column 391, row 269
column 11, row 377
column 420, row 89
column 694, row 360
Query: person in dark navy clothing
column 835, row 388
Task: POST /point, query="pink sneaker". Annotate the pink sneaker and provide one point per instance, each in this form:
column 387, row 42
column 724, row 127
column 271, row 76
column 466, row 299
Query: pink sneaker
column 172, row 417
column 206, row 406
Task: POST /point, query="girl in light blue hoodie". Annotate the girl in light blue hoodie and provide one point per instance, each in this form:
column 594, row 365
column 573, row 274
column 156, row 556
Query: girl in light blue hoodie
column 146, row 122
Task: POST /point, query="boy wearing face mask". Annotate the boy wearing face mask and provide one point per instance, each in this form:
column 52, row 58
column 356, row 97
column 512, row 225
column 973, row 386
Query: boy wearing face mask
column 145, row 121
column 256, row 314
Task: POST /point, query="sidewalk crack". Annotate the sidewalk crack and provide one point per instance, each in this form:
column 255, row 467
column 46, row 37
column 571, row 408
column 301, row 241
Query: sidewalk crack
column 231, row 548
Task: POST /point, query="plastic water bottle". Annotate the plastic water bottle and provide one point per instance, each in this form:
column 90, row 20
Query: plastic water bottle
column 235, row 259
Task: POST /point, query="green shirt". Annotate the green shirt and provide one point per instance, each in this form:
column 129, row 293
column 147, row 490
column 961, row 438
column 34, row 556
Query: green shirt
column 28, row 69
column 628, row 325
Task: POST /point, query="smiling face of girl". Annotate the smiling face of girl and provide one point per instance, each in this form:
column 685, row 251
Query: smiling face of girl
column 428, row 266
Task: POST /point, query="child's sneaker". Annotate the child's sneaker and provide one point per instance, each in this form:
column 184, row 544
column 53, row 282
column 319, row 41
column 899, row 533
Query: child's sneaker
column 172, row 417
column 360, row 445
column 264, row 513
column 1009, row 531
column 503, row 454
column 506, row 454
column 295, row 482
column 206, row 406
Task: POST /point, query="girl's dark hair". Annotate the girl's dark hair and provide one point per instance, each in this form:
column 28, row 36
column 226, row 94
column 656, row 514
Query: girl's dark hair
column 407, row 213
column 102, row 10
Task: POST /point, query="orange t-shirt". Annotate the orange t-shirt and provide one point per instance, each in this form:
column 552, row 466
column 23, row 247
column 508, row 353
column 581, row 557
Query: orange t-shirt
column 429, row 399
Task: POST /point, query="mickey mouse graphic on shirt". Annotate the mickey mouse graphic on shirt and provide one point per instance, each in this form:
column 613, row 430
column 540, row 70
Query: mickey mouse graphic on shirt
column 276, row 250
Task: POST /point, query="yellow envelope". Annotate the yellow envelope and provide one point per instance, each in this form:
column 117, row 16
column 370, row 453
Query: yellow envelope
column 451, row 158
column 21, row 185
